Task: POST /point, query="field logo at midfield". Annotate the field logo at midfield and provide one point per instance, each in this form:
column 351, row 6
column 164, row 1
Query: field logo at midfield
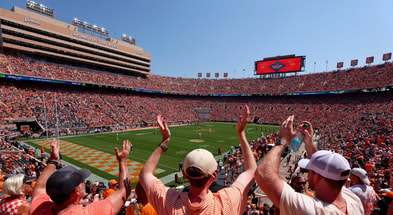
column 196, row 141
column 97, row 159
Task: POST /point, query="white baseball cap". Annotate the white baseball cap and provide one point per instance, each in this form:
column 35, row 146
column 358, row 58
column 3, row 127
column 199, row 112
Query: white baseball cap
column 201, row 159
column 327, row 164
column 362, row 174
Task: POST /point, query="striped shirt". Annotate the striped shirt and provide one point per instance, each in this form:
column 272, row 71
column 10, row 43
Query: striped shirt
column 169, row 201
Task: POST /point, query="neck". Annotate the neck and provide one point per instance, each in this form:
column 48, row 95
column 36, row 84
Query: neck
column 13, row 197
column 59, row 209
column 197, row 194
column 341, row 204
column 333, row 197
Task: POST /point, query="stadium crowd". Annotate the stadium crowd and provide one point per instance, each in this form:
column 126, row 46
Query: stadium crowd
column 358, row 126
column 354, row 78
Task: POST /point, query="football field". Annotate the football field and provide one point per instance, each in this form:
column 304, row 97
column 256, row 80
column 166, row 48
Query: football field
column 96, row 151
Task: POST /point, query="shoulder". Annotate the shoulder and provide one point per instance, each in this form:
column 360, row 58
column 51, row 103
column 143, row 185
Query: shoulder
column 357, row 189
column 24, row 207
column 41, row 204
column 292, row 202
column 354, row 203
column 235, row 189
column 101, row 207
column 237, row 185
column 156, row 186
column 348, row 193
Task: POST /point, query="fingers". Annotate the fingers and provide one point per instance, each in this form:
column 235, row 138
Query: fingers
column 307, row 133
column 160, row 121
column 290, row 121
column 246, row 111
column 240, row 118
column 287, row 121
column 126, row 147
column 126, row 144
column 246, row 114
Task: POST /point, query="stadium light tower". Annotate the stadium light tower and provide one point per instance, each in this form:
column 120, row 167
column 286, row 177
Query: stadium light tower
column 128, row 39
column 88, row 28
column 40, row 8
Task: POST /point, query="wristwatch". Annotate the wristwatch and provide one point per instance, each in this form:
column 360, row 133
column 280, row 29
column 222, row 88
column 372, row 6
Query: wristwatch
column 163, row 147
column 53, row 162
column 280, row 142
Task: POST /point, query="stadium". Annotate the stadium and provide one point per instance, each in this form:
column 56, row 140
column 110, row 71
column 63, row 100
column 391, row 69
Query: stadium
column 76, row 83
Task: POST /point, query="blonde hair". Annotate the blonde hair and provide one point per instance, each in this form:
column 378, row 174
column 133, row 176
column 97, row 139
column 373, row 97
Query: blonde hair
column 137, row 210
column 14, row 185
column 141, row 199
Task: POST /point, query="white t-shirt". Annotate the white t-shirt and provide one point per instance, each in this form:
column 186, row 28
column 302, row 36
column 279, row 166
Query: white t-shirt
column 292, row 202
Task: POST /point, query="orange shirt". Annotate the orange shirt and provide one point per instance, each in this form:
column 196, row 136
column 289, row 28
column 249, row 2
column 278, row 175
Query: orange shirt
column 146, row 210
column 108, row 192
column 42, row 205
column 169, row 201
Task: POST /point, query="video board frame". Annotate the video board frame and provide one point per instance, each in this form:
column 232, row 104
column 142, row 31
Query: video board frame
column 280, row 64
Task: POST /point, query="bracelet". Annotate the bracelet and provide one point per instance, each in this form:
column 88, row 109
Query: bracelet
column 280, row 142
column 53, row 162
column 163, row 147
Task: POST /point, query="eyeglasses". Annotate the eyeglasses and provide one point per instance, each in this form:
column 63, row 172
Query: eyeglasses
column 300, row 183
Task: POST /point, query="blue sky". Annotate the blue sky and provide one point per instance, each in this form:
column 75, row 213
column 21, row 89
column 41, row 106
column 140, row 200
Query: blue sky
column 186, row 37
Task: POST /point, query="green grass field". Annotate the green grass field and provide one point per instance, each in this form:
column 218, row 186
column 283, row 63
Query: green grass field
column 144, row 141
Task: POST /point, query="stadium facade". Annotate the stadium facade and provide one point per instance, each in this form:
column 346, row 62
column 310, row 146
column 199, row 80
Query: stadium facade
column 31, row 33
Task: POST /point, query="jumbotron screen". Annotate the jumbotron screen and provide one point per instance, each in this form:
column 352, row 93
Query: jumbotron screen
column 278, row 65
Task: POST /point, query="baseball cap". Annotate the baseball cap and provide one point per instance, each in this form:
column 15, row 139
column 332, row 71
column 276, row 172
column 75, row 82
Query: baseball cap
column 202, row 160
column 29, row 179
column 388, row 194
column 113, row 182
column 362, row 174
column 62, row 182
column 327, row 164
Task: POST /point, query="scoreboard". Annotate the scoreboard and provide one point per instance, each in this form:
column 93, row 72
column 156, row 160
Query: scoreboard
column 280, row 64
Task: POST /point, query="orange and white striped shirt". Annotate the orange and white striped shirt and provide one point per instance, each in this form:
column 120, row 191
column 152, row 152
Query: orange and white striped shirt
column 170, row 201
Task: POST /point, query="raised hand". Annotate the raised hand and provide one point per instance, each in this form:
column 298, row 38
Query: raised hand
column 307, row 132
column 54, row 150
column 125, row 151
column 242, row 122
column 165, row 132
column 286, row 132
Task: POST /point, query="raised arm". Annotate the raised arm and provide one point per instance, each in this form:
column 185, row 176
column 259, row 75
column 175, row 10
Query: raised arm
column 40, row 186
column 247, row 176
column 146, row 174
column 267, row 172
column 119, row 197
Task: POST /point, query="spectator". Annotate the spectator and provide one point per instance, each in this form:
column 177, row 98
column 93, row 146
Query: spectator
column 385, row 204
column 298, row 183
column 112, row 187
column 180, row 165
column 142, row 206
column 328, row 172
column 15, row 203
column 66, row 187
column 361, row 187
column 200, row 168
column 28, row 186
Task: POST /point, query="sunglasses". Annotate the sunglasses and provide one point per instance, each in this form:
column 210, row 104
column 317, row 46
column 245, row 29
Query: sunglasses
column 300, row 183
